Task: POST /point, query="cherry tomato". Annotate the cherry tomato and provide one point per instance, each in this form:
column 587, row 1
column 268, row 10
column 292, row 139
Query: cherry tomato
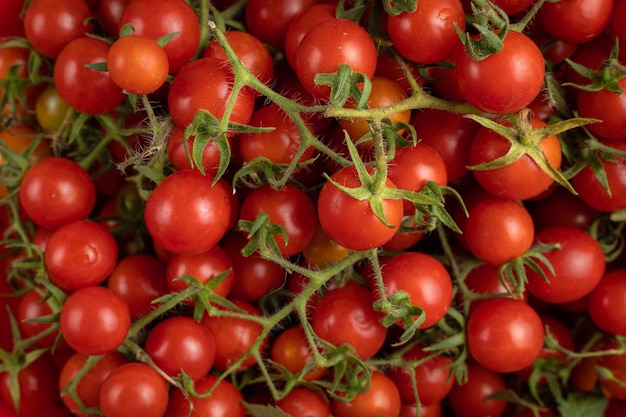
column 486, row 279
column 578, row 265
column 322, row 251
column 512, row 7
column 471, row 399
column 504, row 335
column 50, row 25
column 330, row 44
column 304, row 402
column 573, row 211
column 360, row 228
column 608, row 107
column 428, row 34
column 134, row 389
column 291, row 350
column 57, row 191
column 32, row 306
column 268, row 20
column 225, row 400
column 345, row 315
column 616, row 364
column 504, row 82
column 10, row 22
column 288, row 207
column 137, row 64
column 94, row 320
column 50, row 109
column 301, row 23
column 186, row 213
column 498, row 230
column 109, row 13
column 234, row 336
column 605, row 301
column 381, row 399
column 138, row 279
column 156, row 20
column 88, row 388
column 576, row 21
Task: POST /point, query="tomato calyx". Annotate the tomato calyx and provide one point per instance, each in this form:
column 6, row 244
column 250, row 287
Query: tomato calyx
column 525, row 140
column 606, row 78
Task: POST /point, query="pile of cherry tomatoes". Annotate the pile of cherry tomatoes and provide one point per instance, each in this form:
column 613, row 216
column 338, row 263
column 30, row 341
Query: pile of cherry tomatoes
column 312, row 207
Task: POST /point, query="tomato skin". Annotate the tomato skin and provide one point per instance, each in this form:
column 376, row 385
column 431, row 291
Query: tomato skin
column 521, row 179
column 268, row 20
column 485, row 279
column 426, row 281
column 360, row 228
column 138, row 279
column 80, row 254
column 50, row 25
column 617, row 365
column 109, row 13
column 94, row 320
column 345, row 315
column 410, row 410
column 505, row 82
column 470, row 399
column 512, row 7
column 56, row 191
column 573, row 211
column 291, row 350
column 155, row 20
column 137, row 64
column 577, row 21
column 504, row 335
column 427, row 35
column 50, row 109
column 433, row 377
column 225, row 400
column 186, row 214
column 578, row 265
column 134, row 386
column 10, row 22
column 498, row 230
column 289, row 207
column 606, row 299
column 382, row 399
column 203, row 267
column 304, row 402
column 181, row 343
column 594, row 194
column 608, row 107
column 301, row 23
column 330, row 44
column 38, row 386
column 178, row 156
column 234, row 336
column 88, row 387
column 616, row 29
column 206, row 84
column 31, row 306
column 322, row 251
column 84, row 89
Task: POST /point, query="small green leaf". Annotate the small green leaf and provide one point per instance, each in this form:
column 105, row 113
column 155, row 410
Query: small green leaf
column 164, row 40
column 98, row 66
column 126, row 30
column 579, row 404
column 260, row 410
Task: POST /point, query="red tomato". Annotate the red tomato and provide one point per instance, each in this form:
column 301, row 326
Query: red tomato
column 206, row 84
column 498, row 230
column 410, row 410
column 88, row 388
column 80, row 254
column 504, row 335
column 504, row 82
column 330, row 44
column 449, row 134
column 427, row 35
column 71, row 75
column 134, row 388
column 471, row 398
column 56, row 191
column 203, row 267
column 139, row 279
column 94, row 320
column 186, row 214
column 109, row 13
column 591, row 190
column 573, row 211
column 225, row 400
column 234, row 336
column 381, row 399
column 521, row 179
column 291, row 350
column 578, row 265
column 304, row 402
column 512, row 7
column 424, row 279
column 606, row 299
column 288, row 207
column 31, row 307
column 345, row 316
column 279, row 145
column 137, row 64
column 181, row 344
column 322, row 251
column 616, row 364
column 301, row 23
column 616, row 26
column 485, row 279
column 576, row 21
column 10, row 22
column 178, row 155
column 268, row 20
column 37, row 384
column 608, row 107
column 155, row 20
column 359, row 229
column 433, row 377
column 50, row 25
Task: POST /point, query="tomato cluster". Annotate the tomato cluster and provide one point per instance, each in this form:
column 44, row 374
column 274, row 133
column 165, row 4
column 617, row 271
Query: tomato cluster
column 312, row 208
